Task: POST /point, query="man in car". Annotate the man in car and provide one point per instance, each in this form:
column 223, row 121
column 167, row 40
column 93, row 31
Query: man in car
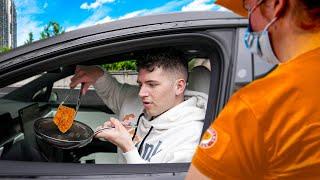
column 168, row 117
column 270, row 129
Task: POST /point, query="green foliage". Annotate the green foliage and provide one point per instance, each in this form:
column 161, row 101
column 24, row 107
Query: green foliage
column 191, row 64
column 30, row 38
column 4, row 49
column 51, row 29
column 121, row 66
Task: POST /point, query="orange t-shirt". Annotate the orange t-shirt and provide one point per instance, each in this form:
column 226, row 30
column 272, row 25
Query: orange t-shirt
column 270, row 129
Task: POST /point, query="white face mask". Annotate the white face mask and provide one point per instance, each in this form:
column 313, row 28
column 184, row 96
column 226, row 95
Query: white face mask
column 259, row 42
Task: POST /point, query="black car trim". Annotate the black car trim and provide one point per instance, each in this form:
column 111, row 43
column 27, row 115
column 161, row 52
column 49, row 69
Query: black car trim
column 34, row 169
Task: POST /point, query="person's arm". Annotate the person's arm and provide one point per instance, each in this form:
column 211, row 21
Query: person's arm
column 119, row 136
column 108, row 88
column 105, row 85
column 133, row 157
column 233, row 146
column 112, row 92
column 87, row 75
column 194, row 173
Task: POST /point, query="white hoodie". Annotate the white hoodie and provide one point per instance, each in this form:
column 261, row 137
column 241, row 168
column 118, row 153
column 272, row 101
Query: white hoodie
column 176, row 132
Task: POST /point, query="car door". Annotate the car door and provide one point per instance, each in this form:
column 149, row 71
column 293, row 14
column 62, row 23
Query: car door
column 55, row 59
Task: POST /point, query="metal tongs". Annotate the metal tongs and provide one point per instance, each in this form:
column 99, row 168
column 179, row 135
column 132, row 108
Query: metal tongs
column 78, row 99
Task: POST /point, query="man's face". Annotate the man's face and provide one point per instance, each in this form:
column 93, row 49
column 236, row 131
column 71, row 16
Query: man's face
column 157, row 90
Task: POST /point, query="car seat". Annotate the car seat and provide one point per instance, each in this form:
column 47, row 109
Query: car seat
column 199, row 79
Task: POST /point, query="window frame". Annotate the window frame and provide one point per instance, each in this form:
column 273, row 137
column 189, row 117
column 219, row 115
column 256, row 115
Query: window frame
column 219, row 59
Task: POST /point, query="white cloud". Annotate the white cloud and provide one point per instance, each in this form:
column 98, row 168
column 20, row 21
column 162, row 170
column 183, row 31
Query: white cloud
column 25, row 26
column 27, row 7
column 133, row 14
column 199, row 5
column 104, row 20
column 45, row 5
column 195, row 5
column 98, row 17
column 203, row 5
column 95, row 4
column 26, row 23
column 90, row 23
column 168, row 7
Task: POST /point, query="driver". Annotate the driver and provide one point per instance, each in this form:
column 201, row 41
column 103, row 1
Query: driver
column 168, row 117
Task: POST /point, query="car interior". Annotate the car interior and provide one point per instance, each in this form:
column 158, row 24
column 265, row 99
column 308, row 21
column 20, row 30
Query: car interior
column 39, row 95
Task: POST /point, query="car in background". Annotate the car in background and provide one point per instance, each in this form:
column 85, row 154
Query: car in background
column 211, row 37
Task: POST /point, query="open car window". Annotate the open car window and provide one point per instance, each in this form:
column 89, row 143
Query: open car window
column 40, row 95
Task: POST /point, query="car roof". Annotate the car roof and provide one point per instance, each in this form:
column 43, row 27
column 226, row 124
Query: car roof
column 219, row 18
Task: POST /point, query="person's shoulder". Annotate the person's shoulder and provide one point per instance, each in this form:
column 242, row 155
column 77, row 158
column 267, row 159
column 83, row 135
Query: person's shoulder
column 296, row 74
column 261, row 94
column 284, row 83
column 261, row 87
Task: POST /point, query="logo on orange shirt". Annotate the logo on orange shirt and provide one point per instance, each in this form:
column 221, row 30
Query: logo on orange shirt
column 209, row 138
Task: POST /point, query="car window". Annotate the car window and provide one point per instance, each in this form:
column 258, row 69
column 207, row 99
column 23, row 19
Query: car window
column 261, row 68
column 248, row 67
column 16, row 85
column 92, row 110
column 243, row 73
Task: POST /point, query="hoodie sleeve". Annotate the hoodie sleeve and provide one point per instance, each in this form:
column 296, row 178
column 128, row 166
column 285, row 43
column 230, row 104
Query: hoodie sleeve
column 182, row 156
column 184, row 145
column 111, row 91
column 133, row 157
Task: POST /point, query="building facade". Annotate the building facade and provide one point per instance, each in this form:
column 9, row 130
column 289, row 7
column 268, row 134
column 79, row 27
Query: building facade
column 8, row 24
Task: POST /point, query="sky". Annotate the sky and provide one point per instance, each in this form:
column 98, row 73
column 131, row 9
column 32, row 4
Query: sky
column 33, row 15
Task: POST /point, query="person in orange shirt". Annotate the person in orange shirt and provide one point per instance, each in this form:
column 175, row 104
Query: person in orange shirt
column 270, row 129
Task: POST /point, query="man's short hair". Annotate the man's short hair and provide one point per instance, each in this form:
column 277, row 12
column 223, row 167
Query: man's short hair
column 169, row 59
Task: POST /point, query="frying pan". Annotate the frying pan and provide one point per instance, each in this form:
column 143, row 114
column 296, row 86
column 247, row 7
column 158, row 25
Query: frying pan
column 77, row 136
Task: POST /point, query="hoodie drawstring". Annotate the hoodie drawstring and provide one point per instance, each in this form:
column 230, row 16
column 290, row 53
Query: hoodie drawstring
column 141, row 145
column 135, row 132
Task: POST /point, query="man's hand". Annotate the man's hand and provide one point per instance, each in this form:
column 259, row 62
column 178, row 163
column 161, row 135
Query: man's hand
column 117, row 135
column 87, row 75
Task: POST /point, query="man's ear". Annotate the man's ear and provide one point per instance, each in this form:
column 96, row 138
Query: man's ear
column 180, row 86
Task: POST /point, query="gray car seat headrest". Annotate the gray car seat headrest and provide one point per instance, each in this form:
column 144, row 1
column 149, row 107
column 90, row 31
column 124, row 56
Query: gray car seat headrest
column 199, row 79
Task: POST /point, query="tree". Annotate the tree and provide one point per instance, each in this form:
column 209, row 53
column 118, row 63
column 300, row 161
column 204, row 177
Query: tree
column 121, row 66
column 30, row 38
column 4, row 49
column 51, row 29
